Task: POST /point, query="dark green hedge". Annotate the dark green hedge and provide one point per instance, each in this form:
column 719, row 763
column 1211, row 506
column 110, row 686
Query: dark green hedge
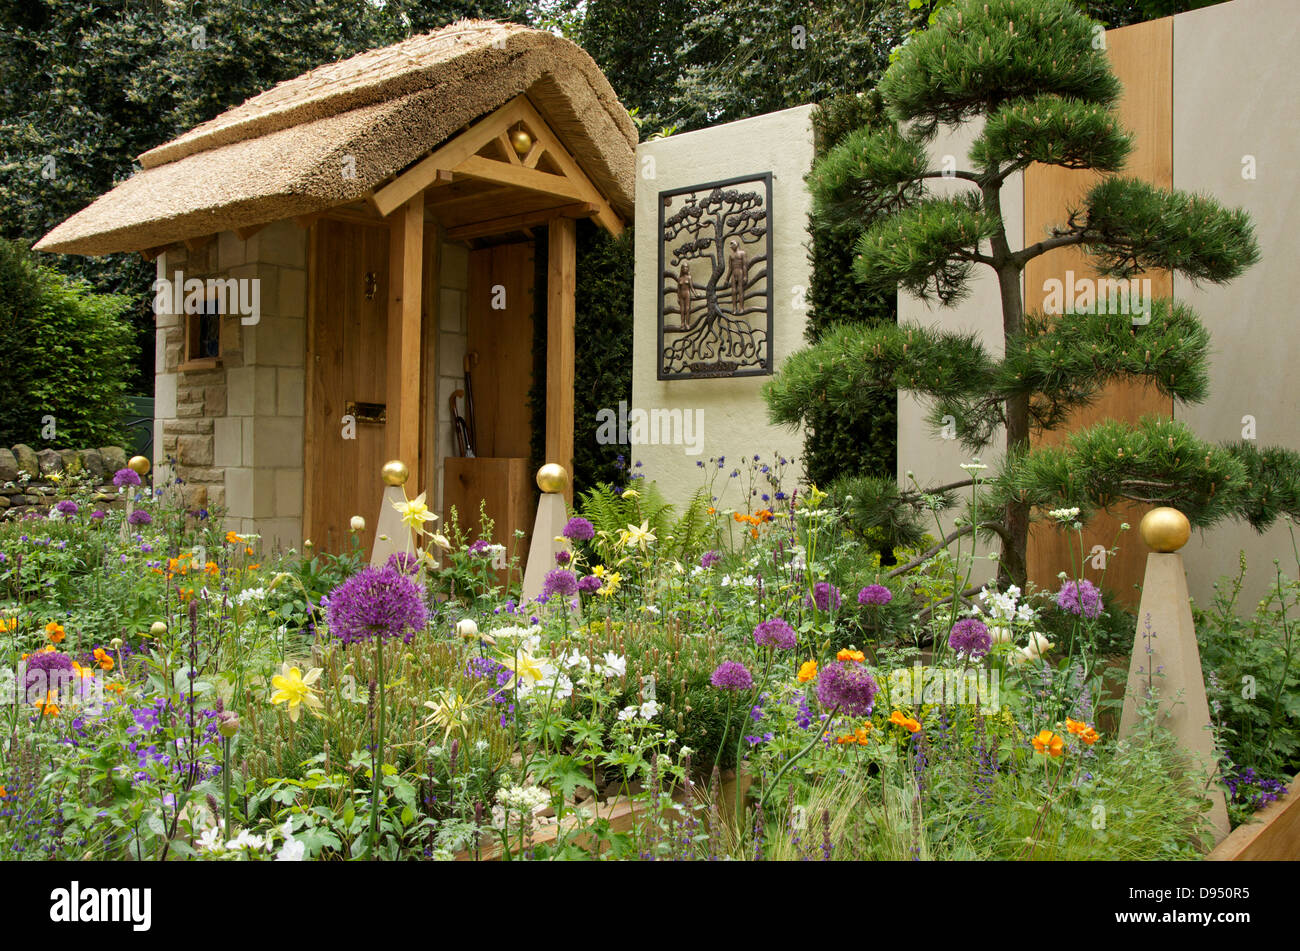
column 840, row 442
column 67, row 353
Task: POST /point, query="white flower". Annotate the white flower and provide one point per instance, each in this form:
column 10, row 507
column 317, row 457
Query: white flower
column 441, row 541
column 974, row 465
column 210, row 840
column 627, row 713
column 649, row 709
column 1038, row 646
column 1000, row 634
column 250, row 594
column 575, row 660
column 1064, row 515
column 467, row 627
column 246, row 840
column 292, row 851
column 615, row 664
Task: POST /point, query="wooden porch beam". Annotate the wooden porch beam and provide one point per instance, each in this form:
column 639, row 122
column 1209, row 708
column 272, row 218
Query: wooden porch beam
column 194, row 245
column 405, row 344
column 431, row 168
column 529, row 179
column 561, row 275
column 605, row 216
column 491, row 226
column 247, row 232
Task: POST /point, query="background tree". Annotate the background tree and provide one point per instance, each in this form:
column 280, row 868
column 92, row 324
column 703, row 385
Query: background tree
column 1030, row 69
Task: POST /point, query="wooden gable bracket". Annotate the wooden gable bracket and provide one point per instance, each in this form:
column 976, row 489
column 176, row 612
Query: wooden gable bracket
column 462, row 158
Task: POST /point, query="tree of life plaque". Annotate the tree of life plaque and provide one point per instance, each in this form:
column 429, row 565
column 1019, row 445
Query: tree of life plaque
column 715, row 300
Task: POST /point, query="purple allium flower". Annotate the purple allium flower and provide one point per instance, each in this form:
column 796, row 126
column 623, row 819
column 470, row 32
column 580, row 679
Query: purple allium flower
column 970, row 638
column 589, row 584
column 97, row 516
column 67, row 508
column 480, row 547
column 126, row 477
column 403, row 562
column 775, row 633
column 848, row 687
column 559, row 581
column 578, row 529
column 46, row 671
column 1080, row 597
column 709, row 559
column 875, row 594
column 376, row 602
column 825, row 596
column 732, row 675
column 563, row 557
column 140, row 517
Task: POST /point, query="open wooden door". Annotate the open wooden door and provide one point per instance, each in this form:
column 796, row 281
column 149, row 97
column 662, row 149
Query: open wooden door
column 346, row 380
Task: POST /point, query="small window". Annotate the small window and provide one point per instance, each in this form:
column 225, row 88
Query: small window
column 203, row 336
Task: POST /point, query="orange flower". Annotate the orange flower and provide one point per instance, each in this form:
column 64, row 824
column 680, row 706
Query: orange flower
column 909, row 724
column 1075, row 726
column 115, row 687
column 3, row 792
column 82, row 671
column 1089, row 736
column 864, row 731
column 232, row 538
column 254, row 566
column 211, row 568
column 8, row 624
column 105, row 661
column 807, row 671
column 753, row 533
column 54, row 631
column 1049, row 743
column 846, row 739
column 47, row 707
column 738, row 517
column 764, row 515
column 248, row 550
column 856, row 656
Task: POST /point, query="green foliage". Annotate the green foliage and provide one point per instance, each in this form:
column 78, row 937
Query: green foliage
column 1133, row 226
column 979, row 55
column 69, row 354
column 1053, row 131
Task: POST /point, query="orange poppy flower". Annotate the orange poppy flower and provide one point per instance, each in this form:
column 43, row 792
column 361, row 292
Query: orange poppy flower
column 910, row 724
column 54, row 631
column 211, row 568
column 116, row 688
column 1089, row 736
column 102, row 656
column 248, row 550
column 846, row 739
column 807, row 671
column 232, row 538
column 3, row 792
column 856, row 656
column 47, row 707
column 1048, row 743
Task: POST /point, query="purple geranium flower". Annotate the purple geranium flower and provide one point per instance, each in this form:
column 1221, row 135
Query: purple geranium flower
column 732, row 675
column 376, row 602
column 123, row 477
column 775, row 633
column 1080, row 597
column 847, row 687
column 480, row 547
column 559, row 581
column 709, row 559
column 140, row 517
column 970, row 638
column 875, row 594
column 578, row 529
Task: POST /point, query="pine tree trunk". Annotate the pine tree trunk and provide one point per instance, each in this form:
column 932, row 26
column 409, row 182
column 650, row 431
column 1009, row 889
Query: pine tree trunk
column 1013, row 568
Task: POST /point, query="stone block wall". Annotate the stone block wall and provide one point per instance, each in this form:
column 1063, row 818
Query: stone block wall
column 27, row 480
column 236, row 430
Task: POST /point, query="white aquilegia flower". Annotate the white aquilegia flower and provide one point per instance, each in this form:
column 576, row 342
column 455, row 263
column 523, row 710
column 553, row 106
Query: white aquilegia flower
column 615, row 665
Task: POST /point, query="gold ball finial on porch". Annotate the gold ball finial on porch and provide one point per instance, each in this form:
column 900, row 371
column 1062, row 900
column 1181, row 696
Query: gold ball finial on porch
column 521, row 141
column 552, row 479
column 395, row 472
column 140, row 465
column 1165, row 529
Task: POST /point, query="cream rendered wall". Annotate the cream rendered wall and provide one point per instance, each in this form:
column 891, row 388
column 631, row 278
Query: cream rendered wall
column 735, row 415
column 931, row 458
column 1237, row 94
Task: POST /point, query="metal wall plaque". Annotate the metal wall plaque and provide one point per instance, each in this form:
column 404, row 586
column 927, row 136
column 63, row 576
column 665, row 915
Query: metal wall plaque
column 715, row 300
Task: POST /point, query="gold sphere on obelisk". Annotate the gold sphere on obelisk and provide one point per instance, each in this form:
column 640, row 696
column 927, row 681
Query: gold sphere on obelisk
column 1165, row 529
column 551, row 478
column 140, row 465
column 395, row 472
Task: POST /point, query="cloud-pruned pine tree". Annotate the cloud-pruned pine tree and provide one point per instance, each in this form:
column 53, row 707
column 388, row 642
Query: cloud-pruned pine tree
column 1035, row 74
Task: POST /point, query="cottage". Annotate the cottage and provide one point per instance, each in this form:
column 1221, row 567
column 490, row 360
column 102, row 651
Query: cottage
column 336, row 255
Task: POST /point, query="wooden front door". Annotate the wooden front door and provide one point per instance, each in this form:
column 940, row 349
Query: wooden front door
column 346, row 385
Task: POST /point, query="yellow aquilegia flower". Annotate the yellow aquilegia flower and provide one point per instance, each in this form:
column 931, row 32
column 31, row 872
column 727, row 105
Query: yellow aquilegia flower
column 610, row 584
column 526, row 670
column 638, row 535
column 449, row 713
column 293, row 688
column 415, row 513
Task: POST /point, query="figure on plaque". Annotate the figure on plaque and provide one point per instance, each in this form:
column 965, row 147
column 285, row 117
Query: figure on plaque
column 737, row 274
column 685, row 287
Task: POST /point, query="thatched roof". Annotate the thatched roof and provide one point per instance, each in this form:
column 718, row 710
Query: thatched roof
column 286, row 151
